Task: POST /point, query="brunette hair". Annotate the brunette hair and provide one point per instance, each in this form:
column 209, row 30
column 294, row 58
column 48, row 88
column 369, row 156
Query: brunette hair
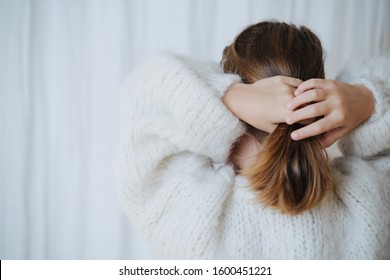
column 292, row 176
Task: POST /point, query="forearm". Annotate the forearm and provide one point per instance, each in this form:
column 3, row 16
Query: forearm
column 372, row 137
column 247, row 107
column 262, row 104
column 180, row 99
column 164, row 114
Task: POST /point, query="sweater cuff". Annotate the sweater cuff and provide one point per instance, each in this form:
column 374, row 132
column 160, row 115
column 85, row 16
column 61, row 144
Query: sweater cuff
column 209, row 127
column 216, row 128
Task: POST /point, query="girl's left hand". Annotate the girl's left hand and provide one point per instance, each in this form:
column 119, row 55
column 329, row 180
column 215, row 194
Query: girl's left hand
column 342, row 107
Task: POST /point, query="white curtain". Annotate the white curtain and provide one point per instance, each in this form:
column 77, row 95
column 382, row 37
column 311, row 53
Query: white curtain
column 61, row 67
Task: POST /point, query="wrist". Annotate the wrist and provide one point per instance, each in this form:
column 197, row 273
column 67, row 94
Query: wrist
column 232, row 98
column 369, row 107
column 250, row 106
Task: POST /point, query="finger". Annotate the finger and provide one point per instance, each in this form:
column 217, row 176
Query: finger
column 308, row 112
column 294, row 82
column 309, row 84
column 313, row 95
column 332, row 136
column 314, row 129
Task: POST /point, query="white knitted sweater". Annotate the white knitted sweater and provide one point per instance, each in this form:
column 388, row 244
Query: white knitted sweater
column 176, row 186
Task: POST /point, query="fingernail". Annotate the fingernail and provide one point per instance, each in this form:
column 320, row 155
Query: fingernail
column 288, row 119
column 294, row 135
column 289, row 105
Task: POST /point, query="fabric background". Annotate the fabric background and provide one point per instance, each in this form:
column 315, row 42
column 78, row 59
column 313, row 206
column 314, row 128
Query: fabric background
column 61, row 68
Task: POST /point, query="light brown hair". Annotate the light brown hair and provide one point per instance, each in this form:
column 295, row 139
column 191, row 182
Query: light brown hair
column 292, row 176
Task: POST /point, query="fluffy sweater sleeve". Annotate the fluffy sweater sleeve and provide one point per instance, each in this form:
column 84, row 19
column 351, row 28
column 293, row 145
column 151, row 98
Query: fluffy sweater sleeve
column 373, row 136
column 362, row 175
column 176, row 135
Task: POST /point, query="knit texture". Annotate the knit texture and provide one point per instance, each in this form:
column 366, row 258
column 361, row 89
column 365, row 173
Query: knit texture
column 176, row 186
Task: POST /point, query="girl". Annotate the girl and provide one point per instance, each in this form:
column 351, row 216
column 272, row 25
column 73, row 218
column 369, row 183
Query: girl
column 192, row 138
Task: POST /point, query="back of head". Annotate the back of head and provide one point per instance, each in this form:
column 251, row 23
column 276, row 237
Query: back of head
column 292, row 176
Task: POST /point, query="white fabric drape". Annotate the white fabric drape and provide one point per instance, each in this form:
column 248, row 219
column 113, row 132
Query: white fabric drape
column 61, row 67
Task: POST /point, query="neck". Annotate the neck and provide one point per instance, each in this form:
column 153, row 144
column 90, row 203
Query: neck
column 245, row 152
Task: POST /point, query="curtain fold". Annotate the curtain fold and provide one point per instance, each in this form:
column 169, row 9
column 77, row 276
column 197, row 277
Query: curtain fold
column 62, row 64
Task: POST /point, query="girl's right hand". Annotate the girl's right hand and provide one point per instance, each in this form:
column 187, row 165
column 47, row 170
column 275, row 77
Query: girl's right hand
column 341, row 108
column 262, row 104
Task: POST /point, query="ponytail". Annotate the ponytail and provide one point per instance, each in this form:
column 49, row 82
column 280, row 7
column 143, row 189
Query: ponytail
column 292, row 176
